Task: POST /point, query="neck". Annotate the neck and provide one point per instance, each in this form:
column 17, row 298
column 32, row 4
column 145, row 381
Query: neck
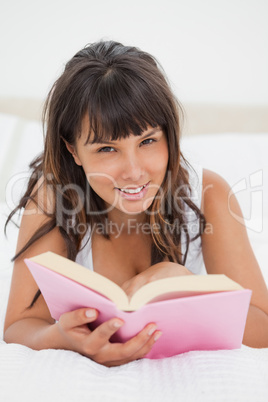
column 127, row 224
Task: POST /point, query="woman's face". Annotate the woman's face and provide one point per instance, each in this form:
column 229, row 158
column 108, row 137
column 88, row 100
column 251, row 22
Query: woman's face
column 125, row 173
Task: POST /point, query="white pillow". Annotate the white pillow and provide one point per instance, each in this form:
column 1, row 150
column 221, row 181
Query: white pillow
column 21, row 141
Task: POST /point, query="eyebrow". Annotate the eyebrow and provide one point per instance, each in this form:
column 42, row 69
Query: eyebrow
column 151, row 132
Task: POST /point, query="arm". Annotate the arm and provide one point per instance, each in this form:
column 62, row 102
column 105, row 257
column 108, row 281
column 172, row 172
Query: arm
column 35, row 328
column 227, row 250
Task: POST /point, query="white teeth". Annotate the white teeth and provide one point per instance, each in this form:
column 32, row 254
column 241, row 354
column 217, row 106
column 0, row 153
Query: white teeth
column 132, row 191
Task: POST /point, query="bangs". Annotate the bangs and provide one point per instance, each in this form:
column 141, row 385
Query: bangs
column 121, row 104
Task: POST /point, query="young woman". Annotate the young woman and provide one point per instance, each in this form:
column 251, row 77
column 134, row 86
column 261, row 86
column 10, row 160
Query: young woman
column 113, row 191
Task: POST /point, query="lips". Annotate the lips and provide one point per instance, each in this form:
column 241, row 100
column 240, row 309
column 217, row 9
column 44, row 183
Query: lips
column 133, row 193
column 132, row 190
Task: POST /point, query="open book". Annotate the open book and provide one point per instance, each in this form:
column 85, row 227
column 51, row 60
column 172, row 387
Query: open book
column 194, row 312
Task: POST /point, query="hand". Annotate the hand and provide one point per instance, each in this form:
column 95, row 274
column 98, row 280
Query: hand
column 75, row 335
column 157, row 271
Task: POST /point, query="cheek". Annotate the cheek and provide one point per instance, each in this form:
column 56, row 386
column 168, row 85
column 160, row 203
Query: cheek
column 99, row 174
column 103, row 180
column 160, row 161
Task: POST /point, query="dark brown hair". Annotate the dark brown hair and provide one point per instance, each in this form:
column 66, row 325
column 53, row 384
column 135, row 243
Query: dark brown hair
column 122, row 90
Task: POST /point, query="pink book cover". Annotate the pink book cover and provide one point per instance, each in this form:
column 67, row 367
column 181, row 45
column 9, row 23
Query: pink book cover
column 204, row 322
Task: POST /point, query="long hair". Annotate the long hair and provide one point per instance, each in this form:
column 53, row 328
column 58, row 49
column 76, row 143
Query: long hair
column 122, row 90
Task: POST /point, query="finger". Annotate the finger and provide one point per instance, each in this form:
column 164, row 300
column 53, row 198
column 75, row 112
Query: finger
column 123, row 351
column 142, row 352
column 147, row 347
column 101, row 335
column 77, row 318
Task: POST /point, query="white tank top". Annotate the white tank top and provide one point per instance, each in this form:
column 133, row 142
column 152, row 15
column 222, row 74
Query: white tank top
column 194, row 261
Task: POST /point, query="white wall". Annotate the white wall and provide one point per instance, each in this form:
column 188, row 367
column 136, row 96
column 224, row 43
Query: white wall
column 212, row 50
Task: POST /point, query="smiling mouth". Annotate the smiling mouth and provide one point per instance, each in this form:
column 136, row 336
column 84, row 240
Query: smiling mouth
column 132, row 190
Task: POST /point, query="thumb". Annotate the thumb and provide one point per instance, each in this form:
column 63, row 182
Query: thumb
column 78, row 317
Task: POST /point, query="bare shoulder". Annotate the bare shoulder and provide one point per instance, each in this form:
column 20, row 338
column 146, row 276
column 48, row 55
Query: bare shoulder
column 39, row 210
column 36, row 217
column 220, row 205
column 221, row 209
column 225, row 243
column 215, row 187
column 211, row 177
column 42, row 196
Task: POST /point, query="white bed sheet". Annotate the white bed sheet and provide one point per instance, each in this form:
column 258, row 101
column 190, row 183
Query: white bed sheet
column 62, row 376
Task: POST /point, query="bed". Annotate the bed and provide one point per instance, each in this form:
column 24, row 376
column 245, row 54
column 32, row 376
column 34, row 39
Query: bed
column 232, row 141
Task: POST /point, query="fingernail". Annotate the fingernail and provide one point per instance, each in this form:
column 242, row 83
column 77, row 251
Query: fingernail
column 91, row 313
column 117, row 324
column 157, row 335
column 151, row 330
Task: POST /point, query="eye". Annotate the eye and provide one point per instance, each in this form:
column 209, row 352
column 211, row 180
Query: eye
column 148, row 141
column 106, row 149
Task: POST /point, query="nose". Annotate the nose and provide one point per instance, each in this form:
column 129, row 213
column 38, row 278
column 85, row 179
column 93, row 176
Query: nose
column 132, row 169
